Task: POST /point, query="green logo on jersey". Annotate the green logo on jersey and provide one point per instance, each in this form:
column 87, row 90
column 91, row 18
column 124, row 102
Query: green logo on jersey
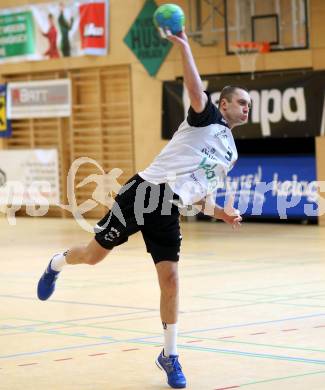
column 208, row 168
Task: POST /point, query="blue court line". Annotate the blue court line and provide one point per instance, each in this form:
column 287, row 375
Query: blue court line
column 198, row 330
column 158, row 335
column 239, row 353
column 79, row 303
column 131, row 319
column 74, row 322
column 274, row 295
column 299, row 305
column 262, row 345
column 182, row 346
column 255, row 323
column 62, row 332
column 279, row 285
column 220, row 298
column 307, row 294
column 271, row 302
column 232, row 296
column 55, row 350
column 45, row 323
column 145, row 341
column 80, row 283
column 282, row 378
column 35, row 322
column 228, row 272
column 218, row 308
column 275, row 301
column 91, row 326
column 302, row 295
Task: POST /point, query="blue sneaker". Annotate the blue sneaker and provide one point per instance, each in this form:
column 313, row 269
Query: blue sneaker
column 175, row 376
column 46, row 284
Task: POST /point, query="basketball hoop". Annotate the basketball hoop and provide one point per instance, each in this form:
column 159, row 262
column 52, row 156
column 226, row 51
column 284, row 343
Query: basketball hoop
column 247, row 53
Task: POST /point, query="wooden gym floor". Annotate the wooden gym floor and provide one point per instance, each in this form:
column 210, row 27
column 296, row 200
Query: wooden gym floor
column 252, row 310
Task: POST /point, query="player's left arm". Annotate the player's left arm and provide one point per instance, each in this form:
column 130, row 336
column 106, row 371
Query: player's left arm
column 228, row 214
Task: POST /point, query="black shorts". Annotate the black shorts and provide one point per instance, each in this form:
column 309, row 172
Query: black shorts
column 146, row 207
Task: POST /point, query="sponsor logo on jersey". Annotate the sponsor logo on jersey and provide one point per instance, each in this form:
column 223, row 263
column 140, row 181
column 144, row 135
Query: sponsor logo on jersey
column 210, row 152
column 221, row 133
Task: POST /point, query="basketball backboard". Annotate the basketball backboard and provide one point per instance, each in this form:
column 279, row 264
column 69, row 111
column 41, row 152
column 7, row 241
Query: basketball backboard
column 282, row 23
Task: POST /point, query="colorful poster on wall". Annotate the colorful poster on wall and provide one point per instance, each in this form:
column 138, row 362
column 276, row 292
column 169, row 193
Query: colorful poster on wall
column 93, row 25
column 39, row 99
column 54, row 30
column 16, row 35
column 5, row 123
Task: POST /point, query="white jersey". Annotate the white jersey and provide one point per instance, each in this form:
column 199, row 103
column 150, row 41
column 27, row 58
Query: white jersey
column 197, row 159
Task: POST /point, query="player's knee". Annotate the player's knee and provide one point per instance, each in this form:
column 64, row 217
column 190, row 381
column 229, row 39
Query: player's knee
column 169, row 282
column 92, row 261
column 90, row 258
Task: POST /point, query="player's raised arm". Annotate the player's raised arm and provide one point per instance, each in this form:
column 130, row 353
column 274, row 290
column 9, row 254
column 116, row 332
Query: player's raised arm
column 192, row 78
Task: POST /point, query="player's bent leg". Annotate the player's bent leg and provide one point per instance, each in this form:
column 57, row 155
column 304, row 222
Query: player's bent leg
column 90, row 254
column 168, row 359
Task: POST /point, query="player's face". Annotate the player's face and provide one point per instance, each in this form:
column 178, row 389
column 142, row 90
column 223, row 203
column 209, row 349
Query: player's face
column 237, row 110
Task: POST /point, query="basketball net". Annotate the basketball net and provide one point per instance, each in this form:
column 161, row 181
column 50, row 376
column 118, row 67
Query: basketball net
column 247, row 53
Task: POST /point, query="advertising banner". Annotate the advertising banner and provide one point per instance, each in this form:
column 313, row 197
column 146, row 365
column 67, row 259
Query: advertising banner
column 273, row 186
column 93, row 28
column 54, row 30
column 144, row 40
column 35, row 99
column 17, row 34
column 284, row 104
column 29, row 177
column 5, row 123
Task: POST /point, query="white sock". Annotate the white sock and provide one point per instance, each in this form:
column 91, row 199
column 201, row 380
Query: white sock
column 58, row 262
column 170, row 338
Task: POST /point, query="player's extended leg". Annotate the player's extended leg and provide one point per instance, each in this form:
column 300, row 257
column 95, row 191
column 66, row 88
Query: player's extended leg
column 169, row 298
column 90, row 254
column 168, row 281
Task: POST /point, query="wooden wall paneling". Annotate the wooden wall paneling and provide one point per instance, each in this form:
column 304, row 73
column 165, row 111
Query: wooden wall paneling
column 47, row 134
column 101, row 128
column 86, row 132
column 117, row 121
column 74, row 96
column 64, row 158
column 104, row 190
column 21, row 135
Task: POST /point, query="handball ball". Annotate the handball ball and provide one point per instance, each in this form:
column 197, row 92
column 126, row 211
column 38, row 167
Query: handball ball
column 169, row 16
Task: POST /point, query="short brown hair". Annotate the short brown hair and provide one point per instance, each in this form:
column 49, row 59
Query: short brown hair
column 228, row 92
